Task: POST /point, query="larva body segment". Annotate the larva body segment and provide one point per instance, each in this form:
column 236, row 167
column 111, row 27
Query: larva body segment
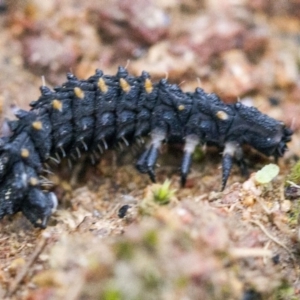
column 96, row 114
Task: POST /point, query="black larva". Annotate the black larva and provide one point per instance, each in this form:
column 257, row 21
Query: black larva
column 95, row 114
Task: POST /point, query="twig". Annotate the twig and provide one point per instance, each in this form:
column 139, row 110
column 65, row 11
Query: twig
column 266, row 247
column 263, row 205
column 250, row 252
column 293, row 184
column 274, row 239
column 15, row 284
column 4, row 239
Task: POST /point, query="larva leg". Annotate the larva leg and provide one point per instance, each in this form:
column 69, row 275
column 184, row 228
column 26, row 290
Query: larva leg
column 141, row 163
column 151, row 160
column 190, row 144
column 239, row 156
column 148, row 159
column 232, row 150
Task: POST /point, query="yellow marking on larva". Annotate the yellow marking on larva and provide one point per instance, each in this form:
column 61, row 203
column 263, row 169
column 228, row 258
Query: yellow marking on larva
column 222, row 115
column 25, row 153
column 181, row 107
column 125, row 85
column 79, row 92
column 148, row 85
column 37, row 125
column 102, row 85
column 33, row 181
column 56, row 104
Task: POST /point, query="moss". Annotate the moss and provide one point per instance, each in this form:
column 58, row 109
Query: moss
column 162, row 194
column 285, row 292
column 156, row 195
column 111, row 294
column 151, row 238
column 181, row 282
column 294, row 175
column 152, row 280
column 294, row 213
column 124, row 250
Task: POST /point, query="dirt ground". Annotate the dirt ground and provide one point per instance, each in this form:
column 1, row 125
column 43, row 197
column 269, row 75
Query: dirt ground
column 110, row 237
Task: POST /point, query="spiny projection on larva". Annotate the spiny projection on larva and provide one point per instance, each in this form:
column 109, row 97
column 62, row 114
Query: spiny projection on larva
column 94, row 115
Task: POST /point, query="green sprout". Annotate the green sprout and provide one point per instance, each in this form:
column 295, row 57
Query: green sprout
column 162, row 193
column 156, row 195
column 267, row 174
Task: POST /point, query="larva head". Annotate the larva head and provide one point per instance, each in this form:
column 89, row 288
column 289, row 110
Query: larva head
column 260, row 131
column 38, row 206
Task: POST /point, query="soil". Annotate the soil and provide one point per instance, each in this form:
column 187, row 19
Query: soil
column 117, row 236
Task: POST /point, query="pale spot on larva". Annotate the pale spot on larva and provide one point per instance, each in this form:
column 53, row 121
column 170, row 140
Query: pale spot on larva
column 25, row 153
column 37, row 125
column 79, row 92
column 57, row 104
column 148, row 86
column 124, row 85
column 222, row 115
column 102, row 85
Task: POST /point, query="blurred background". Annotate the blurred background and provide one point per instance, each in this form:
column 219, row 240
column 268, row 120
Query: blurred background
column 237, row 48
